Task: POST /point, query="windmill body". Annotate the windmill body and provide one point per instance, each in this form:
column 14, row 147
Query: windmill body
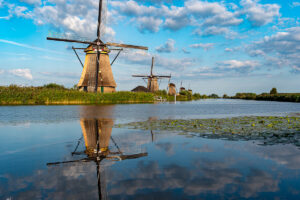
column 97, row 75
column 172, row 89
column 106, row 82
column 152, row 84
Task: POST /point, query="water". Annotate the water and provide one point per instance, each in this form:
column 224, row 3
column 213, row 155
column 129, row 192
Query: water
column 37, row 144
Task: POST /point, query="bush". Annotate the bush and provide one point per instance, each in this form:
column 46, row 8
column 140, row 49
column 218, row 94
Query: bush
column 214, row 96
column 273, row 91
column 196, row 96
column 186, row 95
column 54, row 86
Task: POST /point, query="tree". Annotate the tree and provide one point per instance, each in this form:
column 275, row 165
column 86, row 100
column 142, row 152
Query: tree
column 273, row 91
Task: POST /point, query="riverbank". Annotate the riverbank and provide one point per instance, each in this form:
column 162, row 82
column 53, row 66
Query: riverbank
column 53, row 94
column 284, row 97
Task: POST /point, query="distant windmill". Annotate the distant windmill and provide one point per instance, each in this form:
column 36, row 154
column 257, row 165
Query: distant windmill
column 152, row 85
column 97, row 74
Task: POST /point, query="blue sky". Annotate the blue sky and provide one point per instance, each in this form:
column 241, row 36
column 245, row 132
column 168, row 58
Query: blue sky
column 210, row 46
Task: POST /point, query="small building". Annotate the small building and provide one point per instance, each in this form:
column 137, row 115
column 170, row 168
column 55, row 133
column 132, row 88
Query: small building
column 140, row 89
column 172, row 89
column 190, row 91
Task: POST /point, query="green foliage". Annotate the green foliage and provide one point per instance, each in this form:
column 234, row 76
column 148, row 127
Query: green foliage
column 15, row 95
column 186, row 95
column 54, row 86
column 196, row 96
column 161, row 93
column 287, row 97
column 225, row 96
column 273, row 91
column 214, row 96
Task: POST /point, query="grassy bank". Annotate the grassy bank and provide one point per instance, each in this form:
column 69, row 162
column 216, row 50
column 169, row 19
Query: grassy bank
column 53, row 94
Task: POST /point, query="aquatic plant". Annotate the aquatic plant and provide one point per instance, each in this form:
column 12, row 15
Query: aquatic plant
column 268, row 129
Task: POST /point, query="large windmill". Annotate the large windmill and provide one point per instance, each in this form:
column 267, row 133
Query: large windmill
column 152, row 85
column 97, row 75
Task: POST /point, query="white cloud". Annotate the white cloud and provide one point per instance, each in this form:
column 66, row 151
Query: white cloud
column 204, row 8
column 1, row 71
column 34, row 2
column 150, row 24
column 295, row 4
column 260, row 14
column 194, row 12
column 229, row 50
column 239, row 66
column 280, row 50
column 24, row 73
column 168, row 47
column 213, row 30
column 205, row 46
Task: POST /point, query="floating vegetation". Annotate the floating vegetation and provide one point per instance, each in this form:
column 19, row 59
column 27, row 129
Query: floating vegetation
column 270, row 130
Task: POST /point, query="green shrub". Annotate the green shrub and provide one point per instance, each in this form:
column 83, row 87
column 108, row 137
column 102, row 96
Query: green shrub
column 54, row 86
column 273, row 91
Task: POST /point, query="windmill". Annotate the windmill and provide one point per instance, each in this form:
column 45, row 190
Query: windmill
column 97, row 75
column 152, row 85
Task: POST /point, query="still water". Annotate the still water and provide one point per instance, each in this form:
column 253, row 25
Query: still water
column 50, row 152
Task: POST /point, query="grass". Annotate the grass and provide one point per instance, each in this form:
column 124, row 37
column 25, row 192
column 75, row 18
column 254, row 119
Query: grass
column 53, row 94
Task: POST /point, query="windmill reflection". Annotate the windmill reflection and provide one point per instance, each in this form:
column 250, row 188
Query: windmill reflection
column 97, row 137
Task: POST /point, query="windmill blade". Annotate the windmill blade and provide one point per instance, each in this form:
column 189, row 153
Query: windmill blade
column 99, row 20
column 69, row 40
column 162, row 76
column 71, row 161
column 151, row 72
column 142, row 76
column 133, row 156
column 126, row 46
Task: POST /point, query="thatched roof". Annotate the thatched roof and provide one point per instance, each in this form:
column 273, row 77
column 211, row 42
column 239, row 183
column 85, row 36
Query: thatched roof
column 140, row 89
column 172, row 84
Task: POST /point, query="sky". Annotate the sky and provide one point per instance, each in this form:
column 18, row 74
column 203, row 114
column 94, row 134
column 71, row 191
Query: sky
column 208, row 46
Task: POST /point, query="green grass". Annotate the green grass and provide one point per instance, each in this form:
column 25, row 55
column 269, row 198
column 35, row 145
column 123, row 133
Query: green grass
column 55, row 95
